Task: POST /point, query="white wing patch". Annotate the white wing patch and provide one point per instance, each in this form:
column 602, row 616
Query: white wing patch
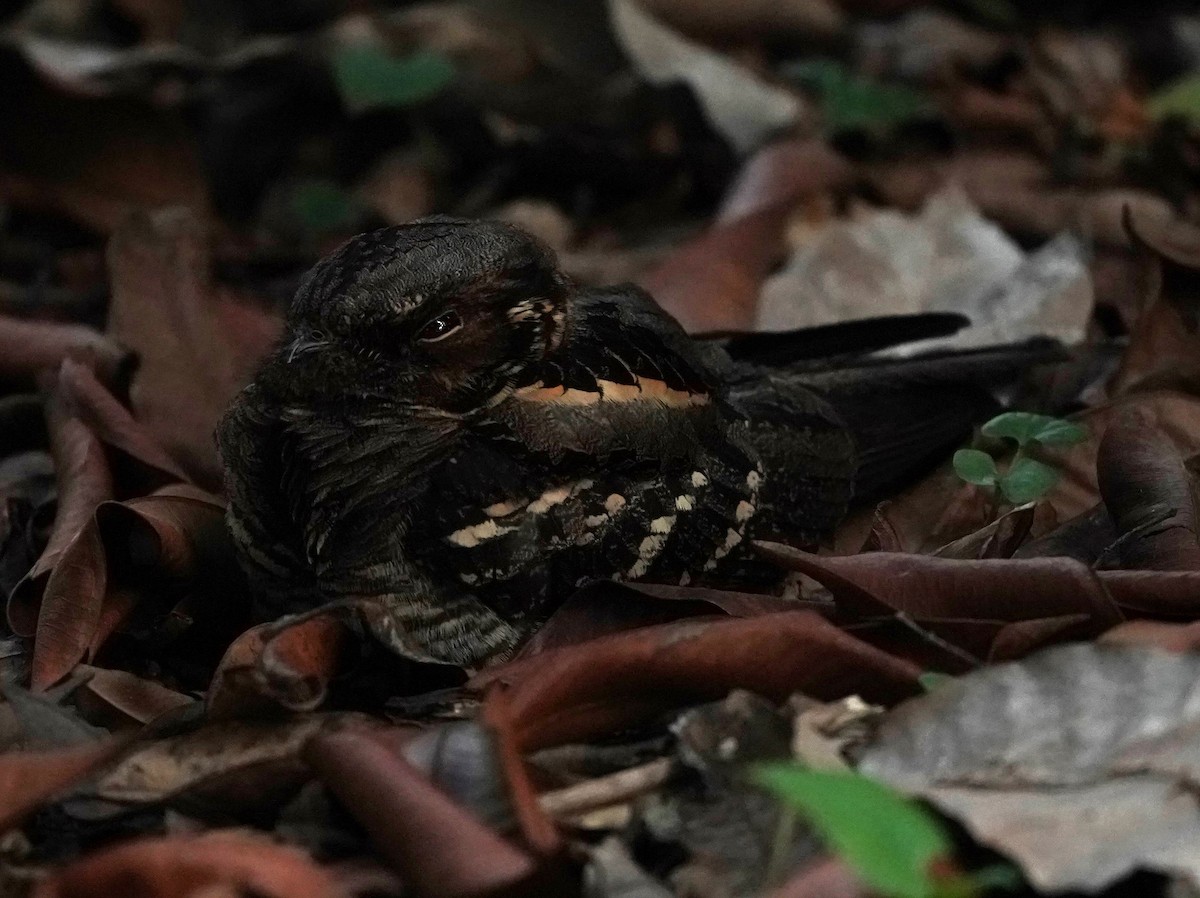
column 645, row 388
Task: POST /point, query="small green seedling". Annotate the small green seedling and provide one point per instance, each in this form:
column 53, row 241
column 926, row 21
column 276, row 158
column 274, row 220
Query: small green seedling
column 369, row 77
column 892, row 843
column 1025, row 479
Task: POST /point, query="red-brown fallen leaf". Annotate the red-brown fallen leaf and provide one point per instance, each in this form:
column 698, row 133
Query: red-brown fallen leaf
column 783, row 173
column 1148, row 493
column 91, row 159
column 193, row 337
column 236, row 684
column 929, row 514
column 1003, row 536
column 115, row 427
column 29, row 779
column 1156, row 634
column 178, row 531
column 1162, row 353
column 29, row 347
column 712, row 282
column 829, row 878
column 596, row 687
column 438, row 847
column 926, row 587
column 70, row 610
column 909, row 183
column 1176, row 415
column 605, row 607
column 751, row 19
column 118, row 698
column 537, row 830
column 170, row 548
column 1165, row 339
column 284, row 664
column 218, row 863
column 84, row 481
column 1015, row 191
column 238, row 767
column 1172, row 594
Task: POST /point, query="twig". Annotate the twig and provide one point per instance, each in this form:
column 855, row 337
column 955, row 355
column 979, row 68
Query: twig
column 615, row 788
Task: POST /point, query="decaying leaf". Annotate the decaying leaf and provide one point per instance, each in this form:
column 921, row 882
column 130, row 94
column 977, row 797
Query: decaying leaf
column 1071, row 761
column 193, row 338
column 402, row 811
column 567, row 694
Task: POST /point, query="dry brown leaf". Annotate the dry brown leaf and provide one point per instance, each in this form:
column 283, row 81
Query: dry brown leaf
column 438, row 847
column 752, row 19
column 27, row 348
column 783, row 173
column 1149, row 495
column 1165, row 340
column 194, row 339
column 113, row 424
column 595, row 687
column 233, row 765
column 1176, row 415
column 84, row 481
column 604, row 607
column 118, row 698
column 89, row 158
column 29, row 779
column 283, row 664
column 712, row 282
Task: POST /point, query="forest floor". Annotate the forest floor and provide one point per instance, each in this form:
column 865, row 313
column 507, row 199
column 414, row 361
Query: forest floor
column 990, row 683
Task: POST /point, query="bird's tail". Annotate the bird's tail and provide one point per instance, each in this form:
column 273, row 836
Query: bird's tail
column 906, row 414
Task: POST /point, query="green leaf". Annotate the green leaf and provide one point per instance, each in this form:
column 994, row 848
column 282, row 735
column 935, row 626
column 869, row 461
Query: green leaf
column 974, row 466
column 893, row 844
column 1026, row 427
column 1026, row 480
column 1181, row 98
column 368, row 77
column 931, row 679
column 323, row 207
column 849, row 101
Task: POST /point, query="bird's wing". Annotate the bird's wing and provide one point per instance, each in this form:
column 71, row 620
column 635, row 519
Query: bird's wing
column 512, row 528
column 625, row 378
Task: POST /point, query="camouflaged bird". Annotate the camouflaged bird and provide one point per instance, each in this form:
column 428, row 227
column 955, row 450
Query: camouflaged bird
column 452, row 429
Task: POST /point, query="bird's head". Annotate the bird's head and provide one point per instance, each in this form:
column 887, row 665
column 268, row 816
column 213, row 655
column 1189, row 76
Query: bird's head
column 439, row 313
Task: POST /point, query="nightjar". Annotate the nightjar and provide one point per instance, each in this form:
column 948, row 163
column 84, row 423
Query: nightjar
column 454, row 431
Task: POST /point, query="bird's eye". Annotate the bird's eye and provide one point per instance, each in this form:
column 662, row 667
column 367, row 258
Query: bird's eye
column 440, row 327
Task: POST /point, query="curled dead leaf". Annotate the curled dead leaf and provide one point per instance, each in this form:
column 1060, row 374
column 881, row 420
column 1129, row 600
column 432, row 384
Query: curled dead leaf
column 1149, row 495
column 147, row 465
column 27, row 348
column 84, row 481
column 436, row 845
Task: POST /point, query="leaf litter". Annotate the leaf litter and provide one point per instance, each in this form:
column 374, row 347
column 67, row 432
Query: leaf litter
column 168, row 173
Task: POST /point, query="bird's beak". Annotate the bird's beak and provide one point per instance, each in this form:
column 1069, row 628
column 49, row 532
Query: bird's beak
column 301, row 345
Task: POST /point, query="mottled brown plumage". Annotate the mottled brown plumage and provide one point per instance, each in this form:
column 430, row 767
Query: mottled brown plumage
column 454, row 431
